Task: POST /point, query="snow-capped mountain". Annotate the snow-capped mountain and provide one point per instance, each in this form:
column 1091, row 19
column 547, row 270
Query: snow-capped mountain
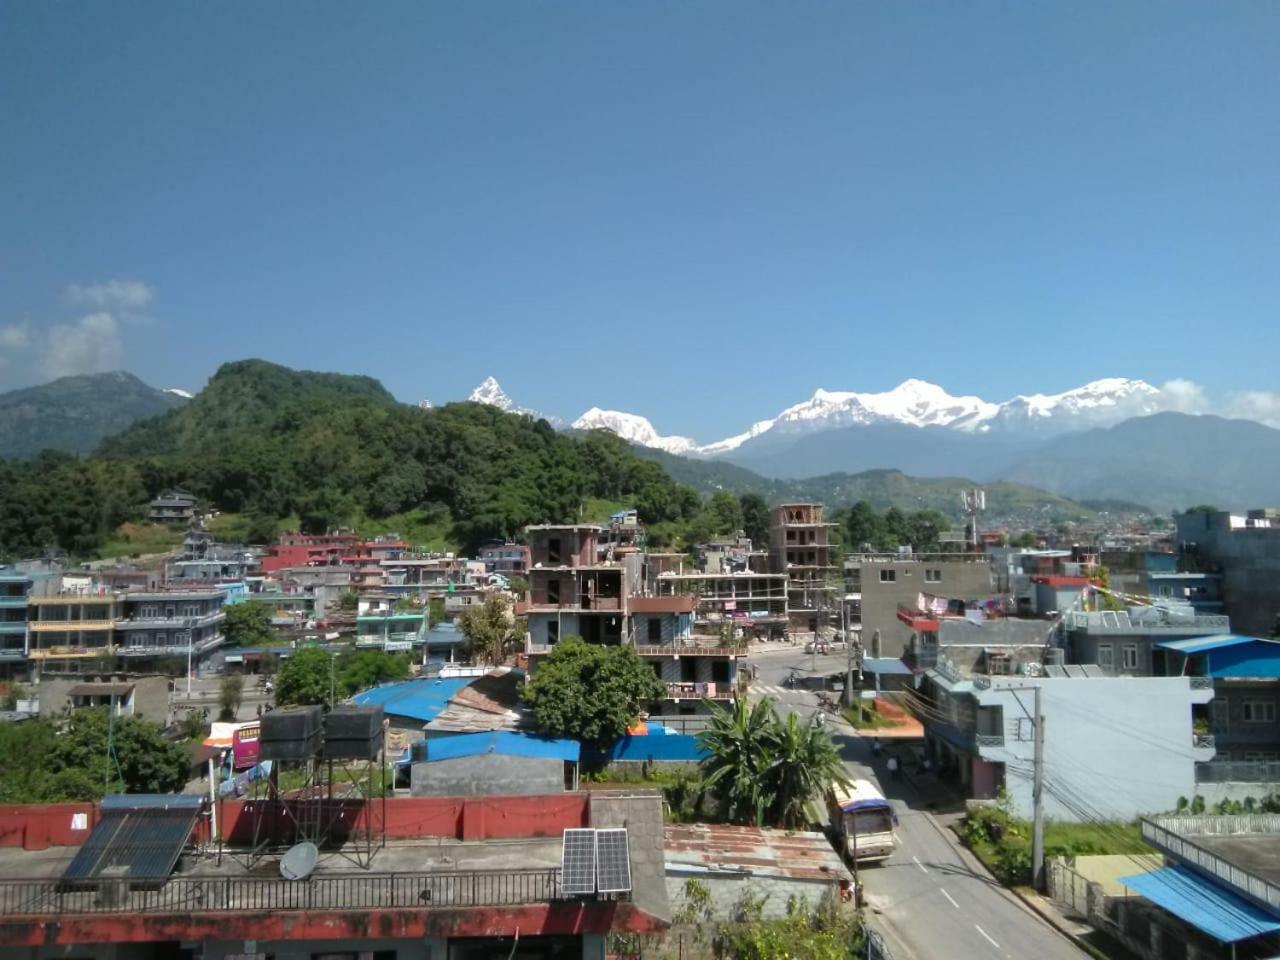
column 179, row 392
column 636, row 429
column 491, row 394
column 1100, row 403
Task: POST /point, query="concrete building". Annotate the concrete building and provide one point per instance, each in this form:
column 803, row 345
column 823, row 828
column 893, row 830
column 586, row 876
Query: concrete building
column 888, row 591
column 1124, row 641
column 495, row 763
column 174, row 507
column 740, row 606
column 800, row 547
column 505, row 557
column 14, row 587
column 456, row 878
column 1126, row 744
column 380, row 625
column 169, row 623
column 1245, row 552
column 74, row 630
column 573, row 592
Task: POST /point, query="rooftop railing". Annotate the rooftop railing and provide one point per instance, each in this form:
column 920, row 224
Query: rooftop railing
column 188, row 895
column 1172, row 835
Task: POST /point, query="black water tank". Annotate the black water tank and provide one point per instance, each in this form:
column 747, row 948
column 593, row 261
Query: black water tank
column 290, row 734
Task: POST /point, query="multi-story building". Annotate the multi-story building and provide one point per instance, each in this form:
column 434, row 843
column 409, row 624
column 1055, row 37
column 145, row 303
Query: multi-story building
column 740, row 606
column 1123, row 641
column 168, row 623
column 308, row 550
column 505, row 557
column 380, row 625
column 895, row 597
column 1245, row 552
column 800, row 547
column 173, row 506
column 14, row 587
column 1128, row 744
column 74, row 630
column 572, row 592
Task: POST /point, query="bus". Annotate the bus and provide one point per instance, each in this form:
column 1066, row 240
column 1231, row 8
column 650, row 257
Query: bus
column 864, row 821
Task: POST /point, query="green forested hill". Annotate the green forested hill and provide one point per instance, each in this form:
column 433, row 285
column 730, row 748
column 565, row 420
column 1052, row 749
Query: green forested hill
column 270, row 442
column 73, row 414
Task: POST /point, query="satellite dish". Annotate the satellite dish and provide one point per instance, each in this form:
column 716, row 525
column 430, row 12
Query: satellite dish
column 299, row 861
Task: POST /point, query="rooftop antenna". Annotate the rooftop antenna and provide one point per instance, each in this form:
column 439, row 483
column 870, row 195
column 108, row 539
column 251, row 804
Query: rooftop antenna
column 973, row 502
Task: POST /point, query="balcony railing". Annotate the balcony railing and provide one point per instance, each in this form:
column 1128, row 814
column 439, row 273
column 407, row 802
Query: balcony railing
column 700, row 691
column 1202, row 683
column 1202, row 741
column 171, row 623
column 189, row 895
column 1173, row 836
column 988, row 739
column 689, row 650
column 1237, row 771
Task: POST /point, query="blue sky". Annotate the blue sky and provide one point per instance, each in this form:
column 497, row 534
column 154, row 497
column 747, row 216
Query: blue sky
column 697, row 211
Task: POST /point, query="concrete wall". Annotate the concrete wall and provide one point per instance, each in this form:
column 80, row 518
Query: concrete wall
column 486, row 774
column 1124, row 743
column 1250, row 561
column 880, row 599
column 728, row 890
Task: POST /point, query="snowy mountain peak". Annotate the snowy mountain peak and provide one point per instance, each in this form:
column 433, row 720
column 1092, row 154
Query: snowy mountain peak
column 491, row 394
column 179, row 392
column 633, row 428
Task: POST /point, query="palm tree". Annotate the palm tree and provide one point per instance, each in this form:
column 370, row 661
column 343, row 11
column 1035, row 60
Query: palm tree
column 804, row 765
column 738, row 743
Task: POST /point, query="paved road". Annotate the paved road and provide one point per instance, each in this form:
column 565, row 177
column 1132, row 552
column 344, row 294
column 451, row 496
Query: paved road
column 928, row 899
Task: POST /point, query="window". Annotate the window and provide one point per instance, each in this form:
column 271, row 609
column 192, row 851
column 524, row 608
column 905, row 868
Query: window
column 1130, row 651
column 1260, row 756
column 933, row 576
column 888, row 576
column 1259, row 711
column 149, row 611
column 553, row 592
column 655, row 630
column 1106, row 656
column 553, row 632
column 553, row 551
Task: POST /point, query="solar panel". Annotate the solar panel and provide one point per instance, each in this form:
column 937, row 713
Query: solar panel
column 613, row 861
column 138, row 839
column 578, row 862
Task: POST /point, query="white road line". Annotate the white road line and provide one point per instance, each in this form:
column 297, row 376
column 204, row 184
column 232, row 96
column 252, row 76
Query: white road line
column 919, row 864
column 986, row 936
column 950, row 900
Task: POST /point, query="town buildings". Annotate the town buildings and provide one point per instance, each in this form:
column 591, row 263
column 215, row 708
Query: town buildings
column 173, row 506
column 800, row 547
column 1244, row 550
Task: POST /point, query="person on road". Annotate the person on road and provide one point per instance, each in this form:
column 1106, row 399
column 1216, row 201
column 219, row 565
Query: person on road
column 893, row 766
column 875, row 746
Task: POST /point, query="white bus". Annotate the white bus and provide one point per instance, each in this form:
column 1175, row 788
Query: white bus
column 864, row 821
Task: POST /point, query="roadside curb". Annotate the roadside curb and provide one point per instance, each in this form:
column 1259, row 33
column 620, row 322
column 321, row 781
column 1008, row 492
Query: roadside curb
column 1051, row 918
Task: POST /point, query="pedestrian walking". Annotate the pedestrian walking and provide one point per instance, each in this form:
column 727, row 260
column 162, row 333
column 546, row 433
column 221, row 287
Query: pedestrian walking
column 875, row 747
column 893, row 766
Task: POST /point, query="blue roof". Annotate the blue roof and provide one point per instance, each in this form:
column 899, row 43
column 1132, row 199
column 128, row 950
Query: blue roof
column 885, row 666
column 416, row 699
column 1203, row 904
column 1201, row 644
column 504, row 743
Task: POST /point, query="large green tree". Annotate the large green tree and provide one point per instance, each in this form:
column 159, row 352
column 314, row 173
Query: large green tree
column 755, row 519
column 591, row 693
column 490, row 629
column 362, row 669
column 307, row 677
column 765, row 770
column 248, row 624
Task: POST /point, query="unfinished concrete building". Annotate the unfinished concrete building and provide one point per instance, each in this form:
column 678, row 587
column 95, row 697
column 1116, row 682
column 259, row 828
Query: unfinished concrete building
column 800, row 547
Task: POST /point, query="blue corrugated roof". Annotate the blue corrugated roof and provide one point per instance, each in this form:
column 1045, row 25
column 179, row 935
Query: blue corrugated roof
column 416, row 699
column 885, row 666
column 504, row 743
column 1201, row 644
column 1203, row 904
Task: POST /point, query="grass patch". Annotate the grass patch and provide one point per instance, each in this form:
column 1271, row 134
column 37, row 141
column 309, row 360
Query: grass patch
column 1003, row 842
column 861, row 717
column 598, row 510
column 138, row 539
column 419, row 528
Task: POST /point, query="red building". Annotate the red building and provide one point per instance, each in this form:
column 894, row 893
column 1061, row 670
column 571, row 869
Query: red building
column 308, row 550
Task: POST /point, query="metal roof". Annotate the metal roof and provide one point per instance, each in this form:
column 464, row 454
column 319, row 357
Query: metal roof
column 1203, row 904
column 503, row 743
column 720, row 850
column 416, row 699
column 885, row 666
column 1217, row 642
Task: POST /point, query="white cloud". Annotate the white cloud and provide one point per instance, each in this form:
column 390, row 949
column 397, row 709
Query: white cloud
column 15, row 337
column 1184, row 396
column 126, row 297
column 1260, row 405
column 89, row 345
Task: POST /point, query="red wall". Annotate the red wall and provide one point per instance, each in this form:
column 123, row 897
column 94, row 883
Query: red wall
column 37, row 826
column 34, row 826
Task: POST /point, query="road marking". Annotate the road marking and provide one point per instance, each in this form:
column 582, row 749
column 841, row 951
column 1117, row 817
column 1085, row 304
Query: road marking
column 987, row 936
column 919, row 864
column 950, row 900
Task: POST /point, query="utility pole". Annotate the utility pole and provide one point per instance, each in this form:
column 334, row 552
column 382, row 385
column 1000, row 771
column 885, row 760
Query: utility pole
column 1037, row 797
